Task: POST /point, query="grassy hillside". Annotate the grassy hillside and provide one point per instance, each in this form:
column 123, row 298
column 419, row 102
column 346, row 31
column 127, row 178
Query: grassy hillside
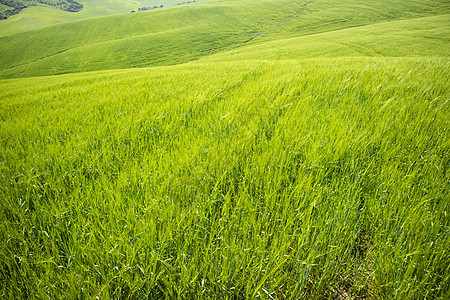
column 301, row 151
column 327, row 177
column 181, row 34
column 41, row 16
column 420, row 37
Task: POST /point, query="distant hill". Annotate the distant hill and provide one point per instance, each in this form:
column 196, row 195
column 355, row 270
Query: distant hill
column 41, row 15
column 19, row 5
column 183, row 33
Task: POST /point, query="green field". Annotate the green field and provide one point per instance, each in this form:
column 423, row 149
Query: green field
column 40, row 16
column 229, row 150
column 35, row 17
column 185, row 33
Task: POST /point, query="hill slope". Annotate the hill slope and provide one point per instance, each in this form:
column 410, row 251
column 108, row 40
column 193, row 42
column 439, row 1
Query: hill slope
column 324, row 177
column 40, row 16
column 306, row 157
column 181, row 34
column 34, row 17
column 420, row 37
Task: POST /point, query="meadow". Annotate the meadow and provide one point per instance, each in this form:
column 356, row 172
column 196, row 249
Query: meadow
column 189, row 32
column 36, row 17
column 288, row 160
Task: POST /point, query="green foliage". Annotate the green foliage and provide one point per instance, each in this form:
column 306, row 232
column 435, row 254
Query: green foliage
column 4, row 7
column 288, row 161
column 67, row 5
column 9, row 12
column 19, row 5
column 16, row 3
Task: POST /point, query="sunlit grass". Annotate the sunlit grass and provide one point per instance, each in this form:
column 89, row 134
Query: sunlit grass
column 322, row 178
column 293, row 150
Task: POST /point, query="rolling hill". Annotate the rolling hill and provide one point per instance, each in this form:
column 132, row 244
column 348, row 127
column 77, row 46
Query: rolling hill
column 39, row 16
column 181, row 34
column 229, row 149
